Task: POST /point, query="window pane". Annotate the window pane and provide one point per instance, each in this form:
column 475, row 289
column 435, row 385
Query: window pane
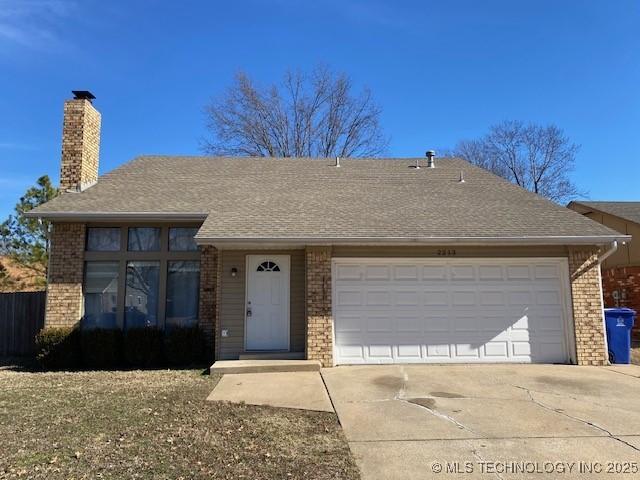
column 144, row 239
column 101, row 239
column 183, row 283
column 181, row 239
column 100, row 294
column 141, row 304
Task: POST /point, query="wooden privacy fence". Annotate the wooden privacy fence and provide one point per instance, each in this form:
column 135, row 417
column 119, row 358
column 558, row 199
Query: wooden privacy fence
column 21, row 317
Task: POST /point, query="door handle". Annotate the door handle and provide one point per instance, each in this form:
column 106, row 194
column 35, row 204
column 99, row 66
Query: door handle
column 249, row 309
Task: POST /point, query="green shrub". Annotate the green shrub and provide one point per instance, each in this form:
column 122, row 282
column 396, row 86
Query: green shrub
column 143, row 347
column 184, row 346
column 101, row 348
column 57, row 348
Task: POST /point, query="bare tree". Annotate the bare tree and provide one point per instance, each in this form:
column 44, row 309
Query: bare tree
column 306, row 115
column 538, row 158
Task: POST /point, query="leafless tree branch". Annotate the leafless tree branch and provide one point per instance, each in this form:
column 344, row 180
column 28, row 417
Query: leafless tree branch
column 306, row 115
column 538, row 158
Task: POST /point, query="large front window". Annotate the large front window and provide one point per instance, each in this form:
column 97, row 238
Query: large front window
column 183, row 285
column 141, row 276
column 100, row 294
column 141, row 302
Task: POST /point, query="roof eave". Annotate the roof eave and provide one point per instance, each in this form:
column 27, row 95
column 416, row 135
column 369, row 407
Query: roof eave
column 116, row 216
column 583, row 209
column 408, row 241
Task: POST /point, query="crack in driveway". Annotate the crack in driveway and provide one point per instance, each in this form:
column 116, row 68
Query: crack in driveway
column 578, row 419
column 428, row 406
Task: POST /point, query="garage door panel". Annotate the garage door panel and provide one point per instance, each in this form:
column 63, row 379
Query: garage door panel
column 409, row 351
column 378, row 272
column 518, row 272
column 449, row 310
column 437, row 323
column 436, row 298
column 407, row 297
column 381, row 351
column 546, row 271
column 346, row 323
column 348, row 297
column 496, row 349
column 463, row 298
column 462, row 324
column 462, row 272
column 409, row 324
column 405, row 273
column 547, row 297
column 466, row 350
column 492, row 298
column 434, row 272
column 382, row 323
column 351, row 351
column 378, row 298
column 348, row 272
column 490, row 272
column 437, row 350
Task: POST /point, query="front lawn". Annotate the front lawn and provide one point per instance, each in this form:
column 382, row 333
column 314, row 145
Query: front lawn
column 156, row 424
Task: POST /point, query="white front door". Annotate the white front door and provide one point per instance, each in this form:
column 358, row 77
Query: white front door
column 267, row 302
column 394, row 310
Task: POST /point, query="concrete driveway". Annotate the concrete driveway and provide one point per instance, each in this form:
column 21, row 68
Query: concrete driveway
column 489, row 421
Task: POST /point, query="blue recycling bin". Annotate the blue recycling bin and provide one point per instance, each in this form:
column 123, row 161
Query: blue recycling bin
column 619, row 323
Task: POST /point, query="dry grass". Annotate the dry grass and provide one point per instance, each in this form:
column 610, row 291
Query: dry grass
column 156, row 424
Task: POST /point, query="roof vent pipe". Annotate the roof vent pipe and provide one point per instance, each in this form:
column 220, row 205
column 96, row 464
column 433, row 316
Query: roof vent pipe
column 461, row 177
column 337, row 161
column 430, row 159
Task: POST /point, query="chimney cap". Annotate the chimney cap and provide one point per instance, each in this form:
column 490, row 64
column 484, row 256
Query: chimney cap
column 431, row 153
column 82, row 95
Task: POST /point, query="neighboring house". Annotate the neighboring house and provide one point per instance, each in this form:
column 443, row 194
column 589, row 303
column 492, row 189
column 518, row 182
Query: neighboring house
column 371, row 261
column 620, row 271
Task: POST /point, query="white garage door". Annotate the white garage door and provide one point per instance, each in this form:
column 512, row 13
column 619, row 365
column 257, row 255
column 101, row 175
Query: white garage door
column 450, row 310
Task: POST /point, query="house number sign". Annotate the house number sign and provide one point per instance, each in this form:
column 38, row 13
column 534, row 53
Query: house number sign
column 446, row 252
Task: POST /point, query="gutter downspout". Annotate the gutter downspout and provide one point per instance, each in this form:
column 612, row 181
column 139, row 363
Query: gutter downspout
column 612, row 249
column 608, row 253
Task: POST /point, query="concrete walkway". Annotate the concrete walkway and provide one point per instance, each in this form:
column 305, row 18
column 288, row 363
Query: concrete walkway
column 467, row 422
column 301, row 390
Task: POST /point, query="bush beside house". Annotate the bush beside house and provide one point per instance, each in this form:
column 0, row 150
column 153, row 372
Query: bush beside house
column 71, row 348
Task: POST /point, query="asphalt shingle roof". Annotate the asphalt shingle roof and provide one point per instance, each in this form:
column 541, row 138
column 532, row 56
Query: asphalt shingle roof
column 625, row 210
column 249, row 198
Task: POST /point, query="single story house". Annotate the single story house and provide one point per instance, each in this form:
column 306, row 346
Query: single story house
column 347, row 261
column 621, row 270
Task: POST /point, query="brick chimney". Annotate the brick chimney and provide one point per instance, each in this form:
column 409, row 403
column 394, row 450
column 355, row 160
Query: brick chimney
column 80, row 143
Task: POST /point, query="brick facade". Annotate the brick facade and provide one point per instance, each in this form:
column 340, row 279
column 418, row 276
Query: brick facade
column 80, row 145
column 584, row 272
column 626, row 282
column 209, row 288
column 318, row 305
column 66, row 269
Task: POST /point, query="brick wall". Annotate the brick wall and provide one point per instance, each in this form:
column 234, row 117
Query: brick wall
column 209, row 288
column 80, row 145
column 625, row 281
column 66, row 268
column 318, row 298
column 584, row 272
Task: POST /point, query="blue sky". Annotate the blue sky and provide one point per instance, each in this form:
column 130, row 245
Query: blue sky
column 441, row 70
